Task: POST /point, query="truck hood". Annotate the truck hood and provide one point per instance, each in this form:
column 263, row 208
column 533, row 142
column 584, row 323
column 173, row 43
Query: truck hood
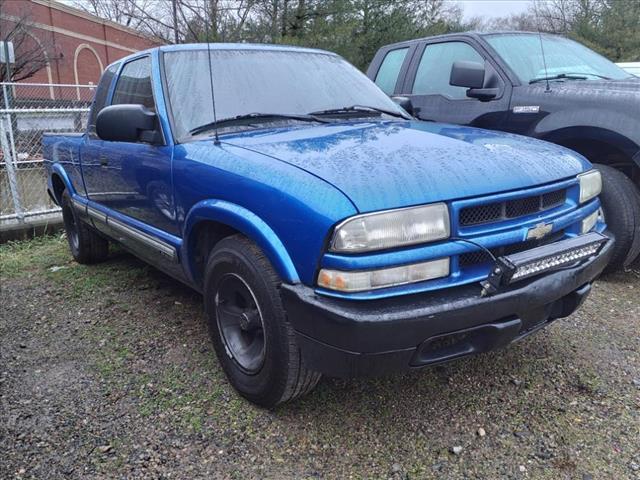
column 389, row 164
column 627, row 90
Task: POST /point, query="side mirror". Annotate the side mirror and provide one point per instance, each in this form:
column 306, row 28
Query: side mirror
column 127, row 123
column 467, row 74
column 404, row 102
column 472, row 75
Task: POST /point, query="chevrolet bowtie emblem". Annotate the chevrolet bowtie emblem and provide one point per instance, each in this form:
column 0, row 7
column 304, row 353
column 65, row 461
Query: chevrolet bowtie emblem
column 539, row 231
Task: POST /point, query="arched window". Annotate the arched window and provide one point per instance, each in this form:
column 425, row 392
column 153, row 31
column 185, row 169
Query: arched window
column 87, row 68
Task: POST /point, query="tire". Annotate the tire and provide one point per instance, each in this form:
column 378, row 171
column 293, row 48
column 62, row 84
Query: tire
column 244, row 311
column 634, row 263
column 621, row 205
column 86, row 245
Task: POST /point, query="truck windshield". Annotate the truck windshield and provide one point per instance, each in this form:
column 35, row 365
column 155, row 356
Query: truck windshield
column 277, row 82
column 565, row 59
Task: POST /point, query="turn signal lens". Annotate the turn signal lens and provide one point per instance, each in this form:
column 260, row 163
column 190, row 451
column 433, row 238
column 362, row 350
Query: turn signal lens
column 589, row 222
column 388, row 277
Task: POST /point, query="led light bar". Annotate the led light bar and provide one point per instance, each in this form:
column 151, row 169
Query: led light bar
column 561, row 259
column 519, row 266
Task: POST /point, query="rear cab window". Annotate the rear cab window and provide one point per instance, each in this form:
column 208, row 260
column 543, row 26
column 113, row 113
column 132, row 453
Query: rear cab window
column 389, row 70
column 100, row 99
column 434, row 69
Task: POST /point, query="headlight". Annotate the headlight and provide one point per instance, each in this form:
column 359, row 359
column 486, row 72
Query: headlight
column 590, row 185
column 391, row 229
column 386, row 277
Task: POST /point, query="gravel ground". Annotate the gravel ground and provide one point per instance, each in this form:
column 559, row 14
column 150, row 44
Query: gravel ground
column 106, row 371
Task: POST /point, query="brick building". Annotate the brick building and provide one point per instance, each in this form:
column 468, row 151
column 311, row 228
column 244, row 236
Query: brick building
column 78, row 45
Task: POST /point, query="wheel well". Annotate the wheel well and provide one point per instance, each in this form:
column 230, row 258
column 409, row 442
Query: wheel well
column 58, row 187
column 204, row 237
column 598, row 151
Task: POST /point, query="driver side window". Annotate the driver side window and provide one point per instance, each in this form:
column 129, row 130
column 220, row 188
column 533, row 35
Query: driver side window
column 134, row 84
column 434, row 70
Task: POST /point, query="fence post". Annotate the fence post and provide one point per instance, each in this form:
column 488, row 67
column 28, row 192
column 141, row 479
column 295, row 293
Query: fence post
column 10, row 166
column 26, row 111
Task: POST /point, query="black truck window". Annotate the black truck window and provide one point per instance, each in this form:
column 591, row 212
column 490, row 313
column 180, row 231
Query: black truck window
column 389, row 70
column 434, row 70
column 134, row 84
column 101, row 95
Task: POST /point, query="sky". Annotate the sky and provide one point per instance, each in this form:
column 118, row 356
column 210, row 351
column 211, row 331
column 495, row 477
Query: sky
column 493, row 8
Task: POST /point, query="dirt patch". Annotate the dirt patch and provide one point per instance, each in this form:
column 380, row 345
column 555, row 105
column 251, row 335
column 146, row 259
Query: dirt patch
column 107, row 371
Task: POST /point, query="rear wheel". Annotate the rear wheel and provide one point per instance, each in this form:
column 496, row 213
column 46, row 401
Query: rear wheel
column 621, row 206
column 248, row 325
column 635, row 262
column 86, row 245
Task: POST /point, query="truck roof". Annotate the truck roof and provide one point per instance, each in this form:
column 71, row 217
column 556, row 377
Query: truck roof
column 225, row 46
column 471, row 33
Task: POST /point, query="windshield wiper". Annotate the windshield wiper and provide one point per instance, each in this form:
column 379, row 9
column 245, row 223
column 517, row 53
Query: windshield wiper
column 359, row 109
column 568, row 76
column 250, row 118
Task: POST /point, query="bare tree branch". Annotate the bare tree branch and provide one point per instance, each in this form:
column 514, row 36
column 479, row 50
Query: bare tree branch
column 31, row 51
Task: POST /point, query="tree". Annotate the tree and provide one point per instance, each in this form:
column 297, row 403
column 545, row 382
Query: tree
column 353, row 28
column 610, row 27
column 524, row 21
column 618, row 32
column 123, row 12
column 31, row 52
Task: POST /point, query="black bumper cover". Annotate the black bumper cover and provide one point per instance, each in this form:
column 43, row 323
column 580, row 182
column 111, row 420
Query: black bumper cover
column 364, row 338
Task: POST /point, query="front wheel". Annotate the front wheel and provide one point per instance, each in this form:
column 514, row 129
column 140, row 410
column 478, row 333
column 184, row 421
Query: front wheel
column 621, row 206
column 248, row 325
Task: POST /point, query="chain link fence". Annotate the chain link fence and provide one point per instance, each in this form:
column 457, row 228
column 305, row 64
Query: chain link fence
column 27, row 110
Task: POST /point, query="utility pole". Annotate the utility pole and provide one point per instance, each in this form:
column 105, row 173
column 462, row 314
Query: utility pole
column 7, row 59
column 175, row 21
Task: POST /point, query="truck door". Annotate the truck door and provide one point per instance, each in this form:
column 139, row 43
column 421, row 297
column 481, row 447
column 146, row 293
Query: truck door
column 91, row 147
column 389, row 67
column 136, row 176
column 427, row 85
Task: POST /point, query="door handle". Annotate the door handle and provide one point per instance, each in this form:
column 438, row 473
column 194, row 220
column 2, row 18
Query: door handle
column 104, row 161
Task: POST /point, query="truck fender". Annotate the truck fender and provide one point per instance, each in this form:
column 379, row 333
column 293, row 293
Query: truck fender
column 589, row 124
column 59, row 171
column 247, row 223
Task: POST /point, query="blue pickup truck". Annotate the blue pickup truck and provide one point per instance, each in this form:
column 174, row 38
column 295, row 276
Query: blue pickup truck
column 328, row 230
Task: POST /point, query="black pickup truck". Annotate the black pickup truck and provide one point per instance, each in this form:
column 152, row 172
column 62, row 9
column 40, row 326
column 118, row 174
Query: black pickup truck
column 540, row 85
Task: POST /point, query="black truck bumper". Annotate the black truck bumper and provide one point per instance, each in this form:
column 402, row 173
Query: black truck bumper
column 344, row 338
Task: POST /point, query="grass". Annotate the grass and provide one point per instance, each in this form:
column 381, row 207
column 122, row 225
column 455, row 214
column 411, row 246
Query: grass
column 152, row 363
column 49, row 256
column 40, row 253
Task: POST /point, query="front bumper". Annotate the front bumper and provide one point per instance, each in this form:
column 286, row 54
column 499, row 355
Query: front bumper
column 363, row 338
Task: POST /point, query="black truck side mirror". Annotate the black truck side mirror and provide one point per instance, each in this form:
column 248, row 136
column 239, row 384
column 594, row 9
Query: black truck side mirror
column 128, row 123
column 404, row 102
column 472, row 75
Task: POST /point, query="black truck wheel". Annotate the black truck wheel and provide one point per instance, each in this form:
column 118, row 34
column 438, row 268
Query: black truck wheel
column 621, row 205
column 634, row 261
column 248, row 325
column 86, row 245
